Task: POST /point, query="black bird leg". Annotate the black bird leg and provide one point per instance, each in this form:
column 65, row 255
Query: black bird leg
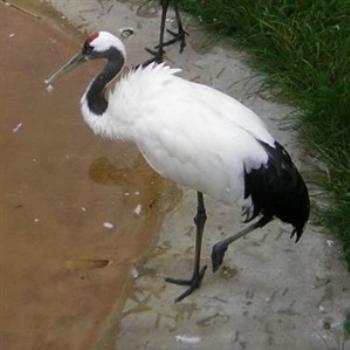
column 220, row 248
column 158, row 55
column 198, row 273
column 180, row 35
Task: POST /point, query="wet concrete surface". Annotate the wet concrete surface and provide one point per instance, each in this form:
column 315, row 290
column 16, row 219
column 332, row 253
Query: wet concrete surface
column 270, row 293
column 69, row 234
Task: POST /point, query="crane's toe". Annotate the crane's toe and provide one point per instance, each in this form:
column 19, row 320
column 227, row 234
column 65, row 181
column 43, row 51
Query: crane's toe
column 158, row 56
column 193, row 283
column 180, row 36
column 217, row 255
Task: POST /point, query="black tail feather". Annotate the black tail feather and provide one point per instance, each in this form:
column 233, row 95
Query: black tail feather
column 277, row 189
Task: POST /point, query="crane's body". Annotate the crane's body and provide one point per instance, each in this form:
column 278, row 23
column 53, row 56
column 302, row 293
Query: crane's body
column 197, row 137
column 187, row 132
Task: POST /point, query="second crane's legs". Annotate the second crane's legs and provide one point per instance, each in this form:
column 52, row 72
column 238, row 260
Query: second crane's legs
column 179, row 36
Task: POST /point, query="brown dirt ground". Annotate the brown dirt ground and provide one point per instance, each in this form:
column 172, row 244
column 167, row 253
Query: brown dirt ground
column 63, row 274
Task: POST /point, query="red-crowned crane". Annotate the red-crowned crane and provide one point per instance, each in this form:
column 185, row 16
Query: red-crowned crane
column 197, row 137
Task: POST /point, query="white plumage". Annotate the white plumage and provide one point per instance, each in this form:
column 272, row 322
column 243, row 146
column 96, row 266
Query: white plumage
column 197, row 137
column 187, row 132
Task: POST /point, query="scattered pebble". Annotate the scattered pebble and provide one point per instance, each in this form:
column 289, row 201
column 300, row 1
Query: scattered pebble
column 321, row 308
column 126, row 194
column 12, row 35
column 138, row 209
column 36, row 220
column 126, row 32
column 134, row 273
column 19, row 125
column 108, row 225
column 330, row 243
column 83, row 209
column 34, row 159
column 137, row 193
column 185, row 339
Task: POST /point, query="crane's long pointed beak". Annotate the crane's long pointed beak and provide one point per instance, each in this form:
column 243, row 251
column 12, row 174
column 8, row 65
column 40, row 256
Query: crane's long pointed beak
column 74, row 62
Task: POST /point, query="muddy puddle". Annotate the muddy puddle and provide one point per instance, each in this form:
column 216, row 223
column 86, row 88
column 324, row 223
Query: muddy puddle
column 77, row 212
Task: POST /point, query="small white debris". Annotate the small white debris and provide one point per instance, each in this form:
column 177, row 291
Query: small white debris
column 137, row 193
column 185, row 339
column 19, row 125
column 49, row 87
column 108, row 225
column 337, row 324
column 321, row 308
column 138, row 209
column 330, row 243
column 126, row 194
column 83, row 209
column 36, row 220
column 12, row 35
column 134, row 273
column 126, row 32
column 7, row 3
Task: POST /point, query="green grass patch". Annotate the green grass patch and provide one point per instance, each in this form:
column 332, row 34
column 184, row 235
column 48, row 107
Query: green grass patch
column 347, row 325
column 303, row 48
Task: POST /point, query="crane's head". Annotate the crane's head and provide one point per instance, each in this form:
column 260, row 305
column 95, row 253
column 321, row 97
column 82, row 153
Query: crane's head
column 97, row 45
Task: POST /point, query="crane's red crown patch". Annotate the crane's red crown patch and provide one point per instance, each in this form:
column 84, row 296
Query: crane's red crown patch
column 92, row 37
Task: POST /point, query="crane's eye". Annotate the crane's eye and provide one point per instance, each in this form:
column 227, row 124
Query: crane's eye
column 87, row 49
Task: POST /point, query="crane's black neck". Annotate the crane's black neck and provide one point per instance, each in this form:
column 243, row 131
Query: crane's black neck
column 95, row 96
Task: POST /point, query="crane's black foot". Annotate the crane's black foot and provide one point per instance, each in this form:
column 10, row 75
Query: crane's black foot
column 194, row 283
column 217, row 255
column 180, row 36
column 158, row 56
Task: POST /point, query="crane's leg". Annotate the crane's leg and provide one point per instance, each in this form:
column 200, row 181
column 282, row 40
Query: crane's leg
column 158, row 55
column 198, row 273
column 220, row 248
column 181, row 34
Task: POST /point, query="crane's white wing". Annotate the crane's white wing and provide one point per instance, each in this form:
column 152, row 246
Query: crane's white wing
column 200, row 138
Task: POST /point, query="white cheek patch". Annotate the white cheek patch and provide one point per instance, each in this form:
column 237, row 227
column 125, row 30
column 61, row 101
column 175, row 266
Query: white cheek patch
column 106, row 40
